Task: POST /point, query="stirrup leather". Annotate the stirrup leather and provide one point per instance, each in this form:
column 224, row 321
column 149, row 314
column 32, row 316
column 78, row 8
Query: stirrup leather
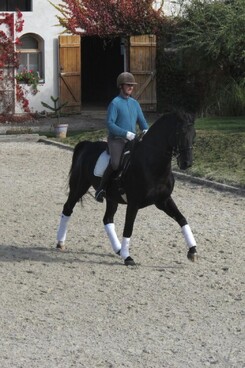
column 99, row 195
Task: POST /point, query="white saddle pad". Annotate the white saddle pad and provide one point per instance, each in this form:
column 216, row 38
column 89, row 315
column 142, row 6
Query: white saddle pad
column 101, row 164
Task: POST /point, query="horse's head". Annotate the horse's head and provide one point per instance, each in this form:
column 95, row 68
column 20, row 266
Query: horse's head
column 185, row 134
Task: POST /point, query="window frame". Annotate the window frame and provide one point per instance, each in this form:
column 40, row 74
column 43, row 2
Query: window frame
column 27, row 52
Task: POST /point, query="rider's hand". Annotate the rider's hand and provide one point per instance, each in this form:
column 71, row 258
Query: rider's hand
column 145, row 131
column 130, row 136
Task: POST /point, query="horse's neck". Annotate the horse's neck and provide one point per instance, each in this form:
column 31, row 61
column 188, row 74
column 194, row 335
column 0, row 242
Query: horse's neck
column 157, row 143
column 154, row 156
column 161, row 133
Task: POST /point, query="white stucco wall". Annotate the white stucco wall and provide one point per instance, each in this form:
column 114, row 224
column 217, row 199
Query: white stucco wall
column 170, row 7
column 41, row 21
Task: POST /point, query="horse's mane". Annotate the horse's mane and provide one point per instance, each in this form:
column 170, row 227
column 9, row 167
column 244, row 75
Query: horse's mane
column 175, row 117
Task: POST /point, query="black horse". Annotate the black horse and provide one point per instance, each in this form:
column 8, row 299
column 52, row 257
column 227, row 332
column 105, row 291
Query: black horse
column 148, row 180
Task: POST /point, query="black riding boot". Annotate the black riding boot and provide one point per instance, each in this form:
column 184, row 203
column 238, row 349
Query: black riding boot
column 101, row 191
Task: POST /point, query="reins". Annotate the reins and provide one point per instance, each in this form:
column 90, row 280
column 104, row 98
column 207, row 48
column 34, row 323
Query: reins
column 175, row 151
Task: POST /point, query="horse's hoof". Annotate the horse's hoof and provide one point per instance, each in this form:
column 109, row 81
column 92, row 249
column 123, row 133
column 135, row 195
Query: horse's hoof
column 129, row 262
column 60, row 246
column 192, row 254
column 118, row 252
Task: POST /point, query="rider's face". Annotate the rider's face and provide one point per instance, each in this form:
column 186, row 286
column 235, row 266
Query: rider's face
column 127, row 89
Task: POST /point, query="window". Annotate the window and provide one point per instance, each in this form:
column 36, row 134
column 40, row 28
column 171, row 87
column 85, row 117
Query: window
column 12, row 5
column 31, row 54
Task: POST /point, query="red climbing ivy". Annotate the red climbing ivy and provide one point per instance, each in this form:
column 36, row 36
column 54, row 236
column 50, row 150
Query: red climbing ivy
column 107, row 18
column 11, row 24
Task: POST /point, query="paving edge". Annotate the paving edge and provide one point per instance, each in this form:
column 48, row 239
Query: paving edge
column 185, row 177
column 57, row 144
column 20, row 138
column 210, row 183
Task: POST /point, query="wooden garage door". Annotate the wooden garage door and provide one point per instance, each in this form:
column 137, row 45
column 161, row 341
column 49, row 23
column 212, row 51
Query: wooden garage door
column 142, row 62
column 70, row 72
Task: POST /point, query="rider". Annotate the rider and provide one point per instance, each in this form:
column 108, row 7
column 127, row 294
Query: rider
column 122, row 115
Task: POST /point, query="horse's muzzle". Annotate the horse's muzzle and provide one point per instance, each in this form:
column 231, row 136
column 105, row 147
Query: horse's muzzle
column 184, row 162
column 185, row 165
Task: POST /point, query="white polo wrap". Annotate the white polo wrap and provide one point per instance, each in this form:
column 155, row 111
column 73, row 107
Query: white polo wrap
column 189, row 238
column 125, row 248
column 112, row 235
column 62, row 230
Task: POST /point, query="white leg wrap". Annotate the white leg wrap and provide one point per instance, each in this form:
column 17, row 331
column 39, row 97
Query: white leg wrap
column 189, row 238
column 62, row 230
column 125, row 248
column 112, row 235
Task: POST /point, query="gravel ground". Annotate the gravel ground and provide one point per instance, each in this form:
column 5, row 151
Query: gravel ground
column 83, row 307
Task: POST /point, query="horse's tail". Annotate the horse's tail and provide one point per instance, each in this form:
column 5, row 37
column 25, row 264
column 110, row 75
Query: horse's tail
column 76, row 170
column 77, row 153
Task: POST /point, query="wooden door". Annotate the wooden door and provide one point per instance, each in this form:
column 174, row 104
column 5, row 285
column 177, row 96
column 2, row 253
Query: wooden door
column 70, row 72
column 142, row 64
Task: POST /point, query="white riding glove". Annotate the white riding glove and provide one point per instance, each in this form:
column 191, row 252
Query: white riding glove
column 130, row 136
column 144, row 131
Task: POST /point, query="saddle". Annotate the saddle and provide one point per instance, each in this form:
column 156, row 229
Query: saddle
column 119, row 175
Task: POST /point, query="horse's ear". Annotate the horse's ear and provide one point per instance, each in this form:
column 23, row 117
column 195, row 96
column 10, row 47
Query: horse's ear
column 192, row 117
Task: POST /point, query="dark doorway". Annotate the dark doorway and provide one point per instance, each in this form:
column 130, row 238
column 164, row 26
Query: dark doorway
column 102, row 61
column 12, row 5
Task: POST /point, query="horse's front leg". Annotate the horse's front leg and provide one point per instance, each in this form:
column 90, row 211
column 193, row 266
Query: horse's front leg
column 108, row 220
column 131, row 214
column 170, row 208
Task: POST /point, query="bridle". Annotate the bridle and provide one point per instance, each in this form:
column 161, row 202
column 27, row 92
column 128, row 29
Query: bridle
column 177, row 149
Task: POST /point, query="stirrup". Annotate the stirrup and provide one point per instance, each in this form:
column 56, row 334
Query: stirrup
column 99, row 195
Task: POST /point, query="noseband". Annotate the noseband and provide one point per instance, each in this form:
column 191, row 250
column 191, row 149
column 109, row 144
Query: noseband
column 177, row 150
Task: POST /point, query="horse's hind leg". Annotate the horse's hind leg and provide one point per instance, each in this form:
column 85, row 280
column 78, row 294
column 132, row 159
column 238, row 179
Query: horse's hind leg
column 108, row 220
column 64, row 220
column 170, row 208
column 66, row 215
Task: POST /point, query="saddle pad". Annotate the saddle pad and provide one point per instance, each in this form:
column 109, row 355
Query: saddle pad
column 101, row 164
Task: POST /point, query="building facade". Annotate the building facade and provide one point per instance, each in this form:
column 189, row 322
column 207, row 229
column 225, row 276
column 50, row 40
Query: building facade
column 84, row 81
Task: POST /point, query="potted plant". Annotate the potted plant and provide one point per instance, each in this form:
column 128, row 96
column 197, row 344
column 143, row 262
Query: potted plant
column 60, row 129
column 29, row 77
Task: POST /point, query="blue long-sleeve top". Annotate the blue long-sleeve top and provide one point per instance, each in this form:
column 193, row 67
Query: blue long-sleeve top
column 122, row 116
